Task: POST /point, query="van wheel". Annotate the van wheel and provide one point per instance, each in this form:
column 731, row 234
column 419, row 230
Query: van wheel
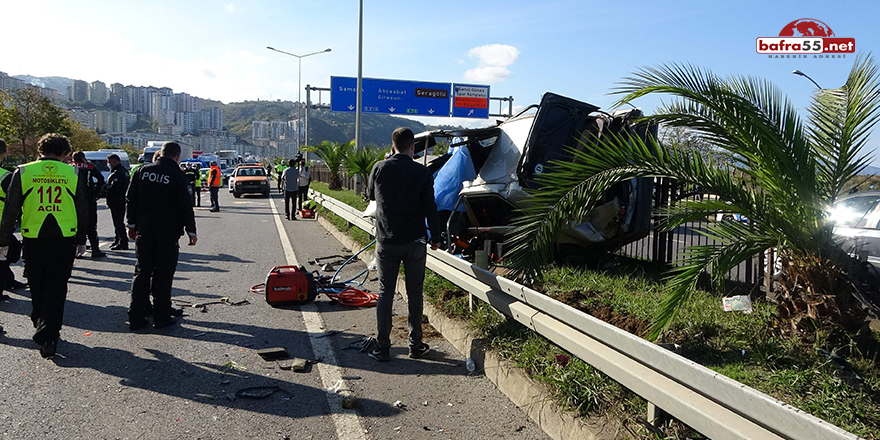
column 235, row 194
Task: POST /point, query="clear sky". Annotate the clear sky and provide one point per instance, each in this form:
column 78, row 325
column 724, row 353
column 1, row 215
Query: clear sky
column 217, row 48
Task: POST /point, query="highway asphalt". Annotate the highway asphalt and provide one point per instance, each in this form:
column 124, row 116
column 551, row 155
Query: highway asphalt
column 180, row 382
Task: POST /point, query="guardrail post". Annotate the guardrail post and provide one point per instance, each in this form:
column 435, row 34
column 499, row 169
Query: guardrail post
column 656, row 416
column 481, row 260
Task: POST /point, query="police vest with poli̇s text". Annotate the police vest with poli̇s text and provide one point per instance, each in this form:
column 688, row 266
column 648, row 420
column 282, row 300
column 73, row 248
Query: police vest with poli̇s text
column 216, row 176
column 48, row 187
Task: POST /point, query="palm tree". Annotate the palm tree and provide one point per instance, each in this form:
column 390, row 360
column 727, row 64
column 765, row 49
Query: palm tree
column 784, row 173
column 334, row 154
column 360, row 163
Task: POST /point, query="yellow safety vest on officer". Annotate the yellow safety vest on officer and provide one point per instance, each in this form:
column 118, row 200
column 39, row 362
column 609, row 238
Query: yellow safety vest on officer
column 48, row 188
column 51, row 203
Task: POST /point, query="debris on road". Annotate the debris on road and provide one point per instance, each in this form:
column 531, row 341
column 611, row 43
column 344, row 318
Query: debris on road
column 225, row 382
column 471, row 366
column 232, row 365
column 199, row 334
column 400, row 405
column 351, row 378
column 349, row 402
column 273, row 353
column 259, row 392
column 285, row 366
column 87, row 334
column 299, row 365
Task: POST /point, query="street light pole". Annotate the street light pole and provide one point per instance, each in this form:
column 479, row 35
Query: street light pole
column 799, row 73
column 298, row 89
column 360, row 78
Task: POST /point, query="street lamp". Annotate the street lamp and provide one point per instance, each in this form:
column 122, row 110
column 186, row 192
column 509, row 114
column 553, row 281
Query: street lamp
column 299, row 88
column 799, row 73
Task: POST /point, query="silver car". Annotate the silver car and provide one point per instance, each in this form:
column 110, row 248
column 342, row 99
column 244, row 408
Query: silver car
column 857, row 225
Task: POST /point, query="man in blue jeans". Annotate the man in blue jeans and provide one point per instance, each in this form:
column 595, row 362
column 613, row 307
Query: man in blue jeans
column 404, row 195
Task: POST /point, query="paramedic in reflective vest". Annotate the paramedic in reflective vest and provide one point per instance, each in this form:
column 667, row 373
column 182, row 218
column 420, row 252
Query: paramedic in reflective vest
column 215, row 181
column 159, row 211
column 92, row 180
column 45, row 196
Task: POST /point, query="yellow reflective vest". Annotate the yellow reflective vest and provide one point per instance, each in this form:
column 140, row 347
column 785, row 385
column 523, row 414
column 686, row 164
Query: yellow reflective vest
column 48, row 187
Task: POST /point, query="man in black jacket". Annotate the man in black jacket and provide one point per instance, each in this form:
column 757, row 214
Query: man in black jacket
column 404, row 195
column 117, row 186
column 159, row 211
column 92, row 180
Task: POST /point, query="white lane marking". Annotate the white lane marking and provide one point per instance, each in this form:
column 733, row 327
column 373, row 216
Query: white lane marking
column 348, row 424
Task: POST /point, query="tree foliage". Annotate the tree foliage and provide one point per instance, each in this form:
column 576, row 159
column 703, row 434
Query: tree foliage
column 360, row 162
column 335, row 155
column 784, row 174
column 84, row 139
column 25, row 115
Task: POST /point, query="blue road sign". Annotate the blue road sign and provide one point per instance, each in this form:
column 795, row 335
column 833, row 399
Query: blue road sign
column 470, row 101
column 388, row 96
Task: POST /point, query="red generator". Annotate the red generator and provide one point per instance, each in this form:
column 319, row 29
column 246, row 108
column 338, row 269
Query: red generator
column 290, row 285
column 306, row 213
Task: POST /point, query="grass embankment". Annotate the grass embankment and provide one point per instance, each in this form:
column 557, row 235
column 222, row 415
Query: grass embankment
column 756, row 349
column 350, row 199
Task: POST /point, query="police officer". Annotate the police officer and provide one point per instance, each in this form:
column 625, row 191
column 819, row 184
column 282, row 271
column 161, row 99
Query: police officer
column 7, row 278
column 117, row 186
column 192, row 176
column 159, row 211
column 51, row 205
column 197, row 194
column 92, row 180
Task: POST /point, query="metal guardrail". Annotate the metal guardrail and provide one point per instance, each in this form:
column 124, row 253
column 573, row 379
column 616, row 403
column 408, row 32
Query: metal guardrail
column 711, row 403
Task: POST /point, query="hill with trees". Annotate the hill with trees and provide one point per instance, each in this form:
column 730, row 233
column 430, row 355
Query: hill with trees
column 324, row 125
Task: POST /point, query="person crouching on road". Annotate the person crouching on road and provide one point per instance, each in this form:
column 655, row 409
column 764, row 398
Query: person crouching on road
column 92, row 180
column 50, row 203
column 117, row 185
column 215, row 180
column 404, row 195
column 291, row 188
column 159, row 211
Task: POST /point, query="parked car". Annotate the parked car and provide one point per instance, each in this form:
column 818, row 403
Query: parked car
column 857, row 225
column 249, row 179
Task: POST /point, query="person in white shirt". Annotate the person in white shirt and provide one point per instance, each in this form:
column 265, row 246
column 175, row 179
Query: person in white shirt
column 305, row 176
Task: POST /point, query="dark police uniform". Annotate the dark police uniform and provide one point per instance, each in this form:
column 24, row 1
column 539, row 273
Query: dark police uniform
column 159, row 209
column 117, row 186
column 7, row 278
column 46, row 196
column 92, row 180
column 192, row 176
